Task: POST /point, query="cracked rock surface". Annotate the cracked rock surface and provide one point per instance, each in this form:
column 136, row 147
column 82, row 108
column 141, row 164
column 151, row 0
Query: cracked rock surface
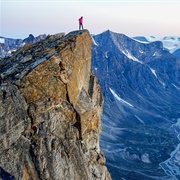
column 50, row 111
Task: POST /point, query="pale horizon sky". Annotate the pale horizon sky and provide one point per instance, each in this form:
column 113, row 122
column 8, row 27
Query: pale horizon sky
column 19, row 18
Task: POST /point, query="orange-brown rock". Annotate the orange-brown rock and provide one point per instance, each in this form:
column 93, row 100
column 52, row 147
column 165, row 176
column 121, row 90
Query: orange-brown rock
column 50, row 111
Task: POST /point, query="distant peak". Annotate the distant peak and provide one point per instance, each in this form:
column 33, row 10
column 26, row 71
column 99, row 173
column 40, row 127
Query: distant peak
column 31, row 36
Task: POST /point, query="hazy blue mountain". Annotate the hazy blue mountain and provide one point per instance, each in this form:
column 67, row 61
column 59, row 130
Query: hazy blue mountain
column 7, row 45
column 141, row 38
column 170, row 43
column 177, row 53
column 141, row 88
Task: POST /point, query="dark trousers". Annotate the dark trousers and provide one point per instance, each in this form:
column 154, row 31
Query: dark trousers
column 80, row 26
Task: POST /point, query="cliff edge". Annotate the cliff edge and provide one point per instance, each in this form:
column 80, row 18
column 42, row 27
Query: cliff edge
column 50, row 111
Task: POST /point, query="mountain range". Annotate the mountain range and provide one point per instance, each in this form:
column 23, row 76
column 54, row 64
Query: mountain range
column 140, row 81
column 141, row 88
column 171, row 43
column 8, row 45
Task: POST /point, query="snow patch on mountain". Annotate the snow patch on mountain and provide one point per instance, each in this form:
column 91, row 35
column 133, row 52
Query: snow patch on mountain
column 176, row 86
column 145, row 158
column 2, row 40
column 154, row 72
column 94, row 42
column 120, row 99
column 156, row 54
column 130, row 56
column 106, row 54
column 125, row 52
column 140, row 120
column 172, row 43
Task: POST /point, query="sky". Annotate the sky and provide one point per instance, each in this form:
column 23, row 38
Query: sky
column 19, row 18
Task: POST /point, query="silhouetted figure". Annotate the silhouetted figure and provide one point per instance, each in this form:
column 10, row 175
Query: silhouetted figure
column 81, row 22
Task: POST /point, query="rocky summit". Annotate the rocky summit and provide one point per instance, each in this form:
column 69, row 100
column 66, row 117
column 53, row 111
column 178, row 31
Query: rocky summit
column 50, row 111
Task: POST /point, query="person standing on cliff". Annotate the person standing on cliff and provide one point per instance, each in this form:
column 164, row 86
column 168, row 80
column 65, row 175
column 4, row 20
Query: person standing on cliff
column 81, row 22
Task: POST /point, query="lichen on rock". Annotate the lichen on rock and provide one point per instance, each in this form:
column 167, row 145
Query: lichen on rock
column 50, row 111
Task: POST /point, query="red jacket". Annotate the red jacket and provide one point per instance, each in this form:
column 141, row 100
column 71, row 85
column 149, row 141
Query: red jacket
column 81, row 20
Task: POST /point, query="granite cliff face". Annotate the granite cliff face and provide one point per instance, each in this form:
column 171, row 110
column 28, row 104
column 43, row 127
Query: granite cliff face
column 50, row 111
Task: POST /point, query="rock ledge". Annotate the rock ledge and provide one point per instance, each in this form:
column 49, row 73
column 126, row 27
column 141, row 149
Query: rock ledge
column 50, row 111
